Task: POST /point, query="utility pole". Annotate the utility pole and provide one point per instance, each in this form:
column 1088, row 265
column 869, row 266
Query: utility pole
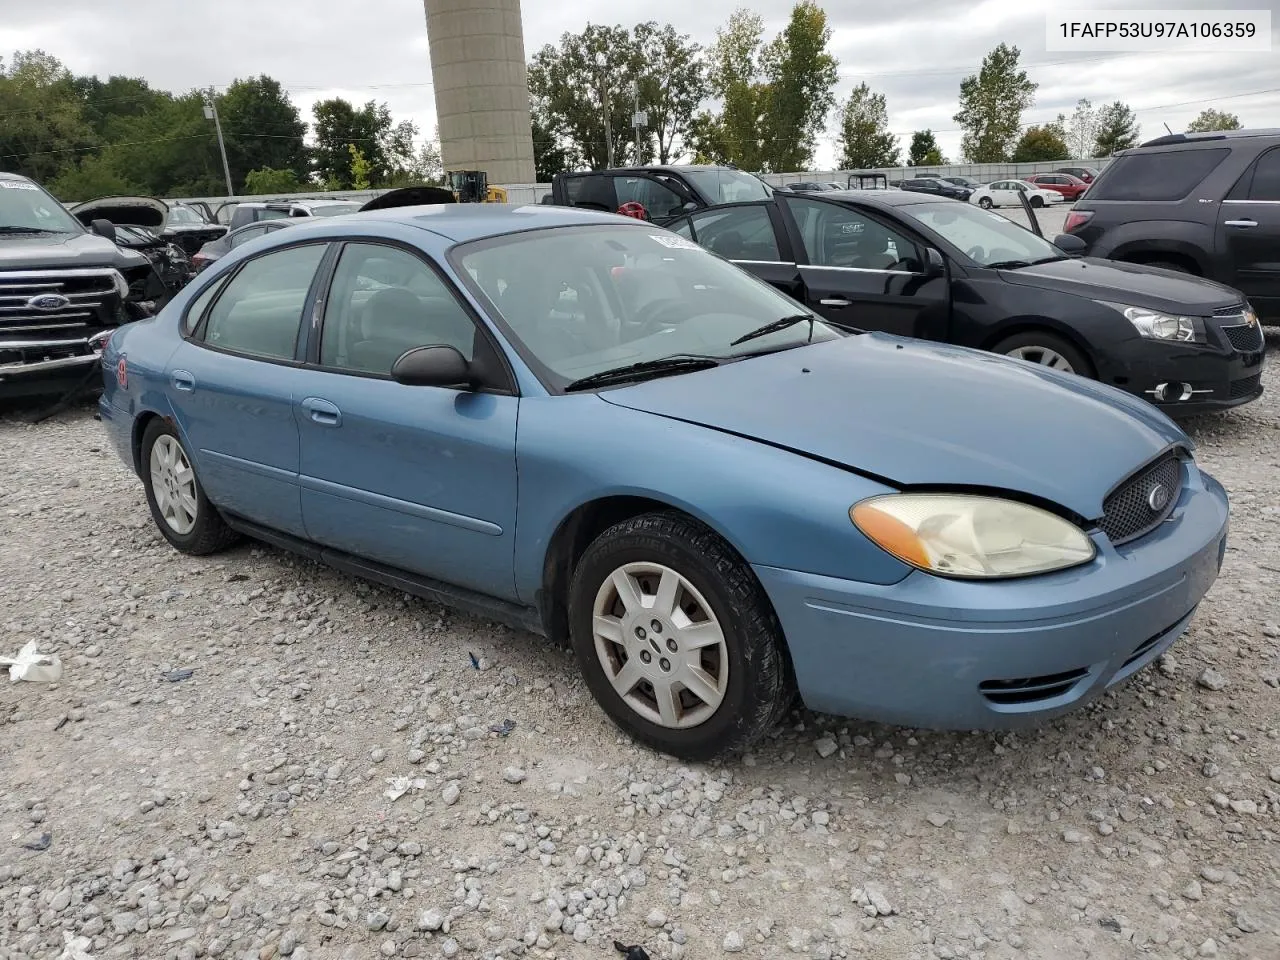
column 637, row 119
column 608, row 128
column 211, row 113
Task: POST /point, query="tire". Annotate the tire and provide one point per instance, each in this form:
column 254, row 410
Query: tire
column 1033, row 341
column 1037, row 202
column 985, row 203
column 746, row 665
column 206, row 531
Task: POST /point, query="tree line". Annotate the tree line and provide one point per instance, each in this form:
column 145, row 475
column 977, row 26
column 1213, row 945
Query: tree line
column 85, row 137
column 605, row 95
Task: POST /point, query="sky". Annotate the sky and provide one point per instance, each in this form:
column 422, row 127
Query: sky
column 915, row 53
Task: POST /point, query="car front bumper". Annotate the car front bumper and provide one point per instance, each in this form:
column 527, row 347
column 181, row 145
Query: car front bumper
column 34, row 367
column 963, row 655
column 1202, row 378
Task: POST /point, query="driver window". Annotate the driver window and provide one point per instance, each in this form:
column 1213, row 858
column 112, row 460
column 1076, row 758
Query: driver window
column 836, row 236
column 384, row 301
column 737, row 233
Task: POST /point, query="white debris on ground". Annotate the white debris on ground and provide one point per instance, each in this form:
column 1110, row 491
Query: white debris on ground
column 335, row 780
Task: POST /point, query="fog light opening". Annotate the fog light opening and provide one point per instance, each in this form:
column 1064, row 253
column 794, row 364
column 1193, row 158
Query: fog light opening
column 1173, row 392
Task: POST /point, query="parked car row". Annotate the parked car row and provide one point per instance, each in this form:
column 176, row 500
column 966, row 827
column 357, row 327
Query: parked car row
column 721, row 495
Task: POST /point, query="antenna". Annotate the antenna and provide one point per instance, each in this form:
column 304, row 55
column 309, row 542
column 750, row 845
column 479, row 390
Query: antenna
column 1166, row 126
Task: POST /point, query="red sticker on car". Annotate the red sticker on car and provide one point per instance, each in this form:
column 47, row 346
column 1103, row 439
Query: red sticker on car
column 122, row 373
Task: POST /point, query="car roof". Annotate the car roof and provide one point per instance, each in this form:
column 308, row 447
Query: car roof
column 462, row 222
column 888, row 198
column 1192, row 139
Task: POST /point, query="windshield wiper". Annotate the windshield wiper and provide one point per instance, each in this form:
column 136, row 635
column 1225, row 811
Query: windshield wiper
column 679, row 363
column 9, row 229
column 1008, row 265
column 1057, row 258
column 773, row 326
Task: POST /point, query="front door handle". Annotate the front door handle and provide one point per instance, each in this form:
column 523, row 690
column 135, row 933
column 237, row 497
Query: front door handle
column 184, row 380
column 322, row 411
column 836, row 302
column 1239, row 223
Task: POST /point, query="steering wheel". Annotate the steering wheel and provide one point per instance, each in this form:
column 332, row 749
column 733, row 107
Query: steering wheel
column 657, row 314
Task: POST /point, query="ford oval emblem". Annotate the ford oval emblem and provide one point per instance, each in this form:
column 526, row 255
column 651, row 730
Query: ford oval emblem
column 1157, row 497
column 48, row 301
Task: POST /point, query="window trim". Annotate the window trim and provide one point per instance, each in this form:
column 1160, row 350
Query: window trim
column 219, row 280
column 1246, row 181
column 781, row 237
column 315, row 334
column 197, row 336
column 874, row 216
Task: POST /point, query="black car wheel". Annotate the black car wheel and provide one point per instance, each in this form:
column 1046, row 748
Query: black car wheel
column 1037, row 202
column 178, row 505
column 1046, row 349
column 676, row 638
column 985, row 203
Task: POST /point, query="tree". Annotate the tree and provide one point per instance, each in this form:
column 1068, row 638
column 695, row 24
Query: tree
column 671, row 82
column 92, row 177
column 1081, row 131
column 1041, row 144
column 42, row 130
column 801, row 76
column 924, row 150
column 992, row 102
column 550, row 155
column 263, row 128
column 385, row 148
column 865, row 140
column 735, row 78
column 1117, row 129
column 359, row 168
column 1211, row 120
column 268, row 181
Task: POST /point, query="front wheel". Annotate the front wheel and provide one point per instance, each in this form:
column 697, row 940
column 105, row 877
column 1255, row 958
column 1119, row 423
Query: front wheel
column 178, row 505
column 1047, row 350
column 985, row 203
column 676, row 638
column 1037, row 202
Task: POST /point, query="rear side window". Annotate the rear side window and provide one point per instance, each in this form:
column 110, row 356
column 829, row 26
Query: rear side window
column 260, row 311
column 1156, row 176
column 1266, row 177
column 198, row 306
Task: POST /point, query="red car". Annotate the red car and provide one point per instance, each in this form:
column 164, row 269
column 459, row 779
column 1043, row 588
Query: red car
column 1064, row 183
column 1087, row 174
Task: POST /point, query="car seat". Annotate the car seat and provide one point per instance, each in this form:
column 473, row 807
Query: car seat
column 395, row 320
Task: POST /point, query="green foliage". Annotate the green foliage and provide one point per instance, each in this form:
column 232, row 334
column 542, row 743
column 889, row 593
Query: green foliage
column 1117, row 129
column 735, row 78
column 992, row 102
column 671, row 83
column 359, row 168
column 1042, row 144
column 387, row 148
column 268, row 181
column 1081, row 130
column 43, row 128
column 924, row 150
column 262, row 128
column 865, row 140
column 551, row 153
column 1211, row 120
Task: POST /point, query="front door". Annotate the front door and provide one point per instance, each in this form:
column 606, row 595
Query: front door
column 233, row 381
column 419, row 478
column 1249, row 235
column 862, row 273
column 753, row 236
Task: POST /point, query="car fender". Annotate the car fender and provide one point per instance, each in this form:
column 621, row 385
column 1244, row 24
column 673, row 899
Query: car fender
column 773, row 506
column 1143, row 237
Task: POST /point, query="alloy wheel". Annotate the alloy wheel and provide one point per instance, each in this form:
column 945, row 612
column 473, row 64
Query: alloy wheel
column 1045, row 356
column 173, row 484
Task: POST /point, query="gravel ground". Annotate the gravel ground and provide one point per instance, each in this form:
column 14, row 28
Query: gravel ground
column 247, row 811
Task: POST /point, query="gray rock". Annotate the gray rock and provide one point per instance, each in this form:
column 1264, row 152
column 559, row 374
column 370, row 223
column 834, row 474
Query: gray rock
column 1193, row 891
column 513, row 775
column 938, row 819
column 656, row 919
column 377, row 920
column 1246, row 923
column 1213, row 874
column 1209, row 948
column 450, row 794
column 1073, row 836
column 431, row 919
column 825, row 747
column 1211, row 679
column 733, row 942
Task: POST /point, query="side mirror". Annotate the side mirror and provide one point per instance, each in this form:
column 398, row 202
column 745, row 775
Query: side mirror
column 103, row 228
column 1070, row 244
column 934, row 265
column 434, row 366
column 690, row 206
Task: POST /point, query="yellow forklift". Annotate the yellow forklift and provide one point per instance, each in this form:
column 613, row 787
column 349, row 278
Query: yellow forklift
column 472, row 186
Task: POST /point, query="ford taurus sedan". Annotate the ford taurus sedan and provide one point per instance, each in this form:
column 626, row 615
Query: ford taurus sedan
column 592, row 428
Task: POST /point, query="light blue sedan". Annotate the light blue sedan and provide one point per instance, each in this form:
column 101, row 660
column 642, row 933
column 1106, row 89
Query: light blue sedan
column 589, row 427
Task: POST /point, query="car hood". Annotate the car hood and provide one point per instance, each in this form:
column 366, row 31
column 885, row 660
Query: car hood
column 920, row 414
column 45, row 251
column 1132, row 284
column 139, row 211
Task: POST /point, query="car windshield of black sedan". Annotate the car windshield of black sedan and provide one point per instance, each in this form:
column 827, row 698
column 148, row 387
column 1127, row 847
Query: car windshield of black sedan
column 25, row 208
column 986, row 238
column 178, row 214
column 582, row 300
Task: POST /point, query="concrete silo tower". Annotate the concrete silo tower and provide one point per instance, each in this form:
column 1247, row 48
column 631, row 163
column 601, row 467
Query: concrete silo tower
column 482, row 87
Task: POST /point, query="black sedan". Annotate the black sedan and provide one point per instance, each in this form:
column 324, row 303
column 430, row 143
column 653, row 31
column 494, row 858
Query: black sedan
column 932, row 268
column 217, row 249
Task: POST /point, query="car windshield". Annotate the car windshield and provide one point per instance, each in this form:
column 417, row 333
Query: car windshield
column 728, row 186
column 24, row 207
column 334, row 209
column 185, row 215
column 585, row 299
column 987, row 238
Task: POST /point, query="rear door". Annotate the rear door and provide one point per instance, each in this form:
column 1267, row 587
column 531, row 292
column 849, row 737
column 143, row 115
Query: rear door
column 753, row 236
column 1248, row 235
column 1003, row 193
column 863, row 271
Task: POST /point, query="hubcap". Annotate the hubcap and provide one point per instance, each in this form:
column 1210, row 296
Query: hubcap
column 1044, row 356
column 660, row 645
column 173, row 483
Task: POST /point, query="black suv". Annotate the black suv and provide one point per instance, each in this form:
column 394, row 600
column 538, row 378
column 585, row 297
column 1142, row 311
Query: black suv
column 936, row 186
column 661, row 192
column 1200, row 203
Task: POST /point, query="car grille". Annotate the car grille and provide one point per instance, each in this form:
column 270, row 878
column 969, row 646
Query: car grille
column 90, row 296
column 1127, row 512
column 1244, row 337
column 1244, row 387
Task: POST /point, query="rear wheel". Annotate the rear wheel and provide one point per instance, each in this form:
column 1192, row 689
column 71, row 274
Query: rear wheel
column 178, row 505
column 1037, row 201
column 1046, row 349
column 985, row 203
column 676, row 638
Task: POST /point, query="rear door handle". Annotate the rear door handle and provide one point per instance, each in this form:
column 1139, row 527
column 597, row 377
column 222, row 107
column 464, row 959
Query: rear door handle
column 1239, row 223
column 184, row 380
column 322, row 411
column 836, row 302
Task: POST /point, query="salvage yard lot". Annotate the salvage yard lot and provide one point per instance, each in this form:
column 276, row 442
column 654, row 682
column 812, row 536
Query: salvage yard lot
column 243, row 812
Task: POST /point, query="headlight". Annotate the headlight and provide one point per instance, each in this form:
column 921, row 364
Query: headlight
column 957, row 535
column 122, row 285
column 1155, row 325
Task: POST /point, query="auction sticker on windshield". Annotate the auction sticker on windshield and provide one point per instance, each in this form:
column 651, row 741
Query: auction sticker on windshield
column 674, row 242
column 17, row 185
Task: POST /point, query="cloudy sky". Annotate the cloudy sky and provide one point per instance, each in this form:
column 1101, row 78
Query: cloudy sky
column 915, row 53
